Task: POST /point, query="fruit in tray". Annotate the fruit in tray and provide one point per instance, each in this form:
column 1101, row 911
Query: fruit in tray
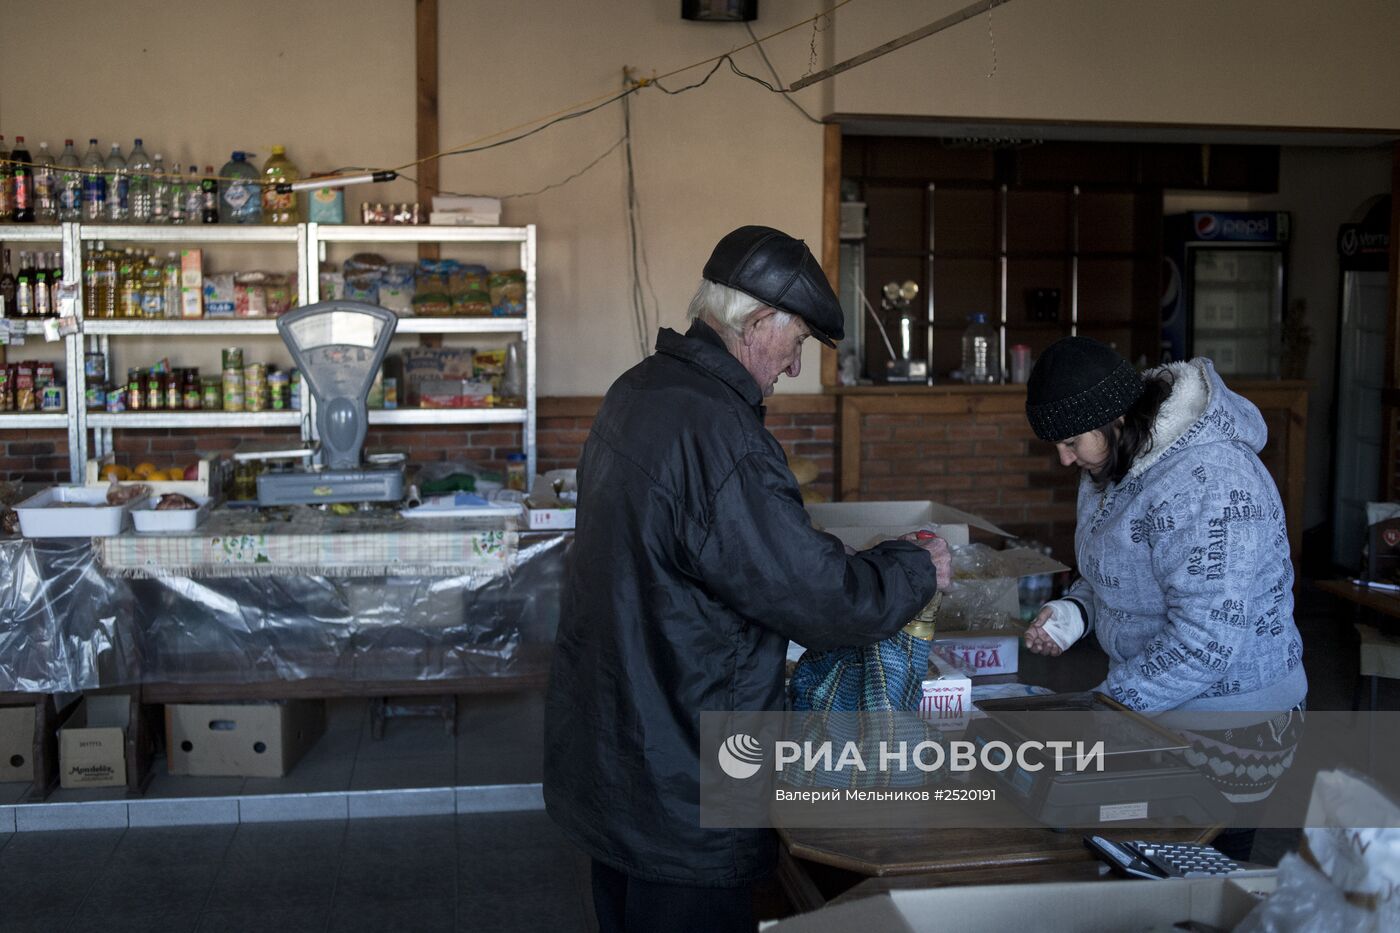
column 148, row 472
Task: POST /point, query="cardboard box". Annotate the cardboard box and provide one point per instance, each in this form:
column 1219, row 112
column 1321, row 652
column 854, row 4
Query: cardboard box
column 1065, row 907
column 16, row 743
column 241, row 739
column 984, row 652
column 424, row 363
column 552, row 503
column 861, row 524
column 191, row 283
column 947, row 695
column 92, row 742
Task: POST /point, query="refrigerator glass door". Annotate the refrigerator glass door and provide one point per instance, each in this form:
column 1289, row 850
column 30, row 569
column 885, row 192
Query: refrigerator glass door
column 1237, row 309
column 1360, row 438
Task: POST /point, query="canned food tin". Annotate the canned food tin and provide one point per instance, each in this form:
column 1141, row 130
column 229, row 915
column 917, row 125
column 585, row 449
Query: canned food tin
column 96, row 396
column 233, row 358
column 211, row 394
column 54, row 398
column 233, row 400
column 279, row 386
column 116, row 400
column 95, row 366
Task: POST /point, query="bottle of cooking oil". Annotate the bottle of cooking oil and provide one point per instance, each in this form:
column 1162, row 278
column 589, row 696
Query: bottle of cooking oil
column 280, row 207
column 107, row 281
column 129, row 285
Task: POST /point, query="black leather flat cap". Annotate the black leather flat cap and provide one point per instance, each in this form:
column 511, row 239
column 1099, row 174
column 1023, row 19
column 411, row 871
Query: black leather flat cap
column 780, row 271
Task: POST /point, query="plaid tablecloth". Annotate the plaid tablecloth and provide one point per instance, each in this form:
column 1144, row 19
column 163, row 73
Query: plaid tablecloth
column 298, row 540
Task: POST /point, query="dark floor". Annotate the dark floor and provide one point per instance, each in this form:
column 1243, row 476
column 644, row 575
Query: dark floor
column 485, row 872
column 479, row 871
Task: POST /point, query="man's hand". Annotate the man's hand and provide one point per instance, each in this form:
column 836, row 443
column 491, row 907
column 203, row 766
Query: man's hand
column 1038, row 641
column 938, row 552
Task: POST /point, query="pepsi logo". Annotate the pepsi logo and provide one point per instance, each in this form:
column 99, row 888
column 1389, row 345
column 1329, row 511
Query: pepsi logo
column 1391, row 536
column 1207, row 226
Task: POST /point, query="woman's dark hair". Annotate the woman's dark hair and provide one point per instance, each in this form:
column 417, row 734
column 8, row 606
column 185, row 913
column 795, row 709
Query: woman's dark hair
column 1133, row 438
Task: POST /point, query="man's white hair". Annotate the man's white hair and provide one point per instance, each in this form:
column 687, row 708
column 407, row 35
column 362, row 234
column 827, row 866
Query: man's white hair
column 727, row 307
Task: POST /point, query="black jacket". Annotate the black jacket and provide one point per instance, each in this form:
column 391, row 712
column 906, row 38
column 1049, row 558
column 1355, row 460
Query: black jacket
column 693, row 564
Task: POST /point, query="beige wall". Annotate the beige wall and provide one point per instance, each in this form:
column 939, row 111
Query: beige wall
column 334, row 81
column 1232, row 62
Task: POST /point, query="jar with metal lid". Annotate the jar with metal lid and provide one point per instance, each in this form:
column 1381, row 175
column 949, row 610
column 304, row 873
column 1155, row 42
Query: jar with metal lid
column 211, row 393
column 189, row 390
column 136, row 393
column 174, row 392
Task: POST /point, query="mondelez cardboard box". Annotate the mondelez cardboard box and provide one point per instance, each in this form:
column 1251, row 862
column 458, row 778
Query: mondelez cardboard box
column 92, row 742
column 862, row 524
column 241, row 739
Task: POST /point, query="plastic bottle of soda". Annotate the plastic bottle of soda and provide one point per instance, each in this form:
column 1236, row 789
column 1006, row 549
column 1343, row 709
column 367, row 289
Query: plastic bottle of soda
column 176, row 181
column 279, row 207
column 209, row 196
column 152, row 288
column 24, row 288
column 22, row 171
column 170, row 285
column 240, row 200
column 7, row 185
column 118, row 186
column 138, row 168
column 8, row 284
column 45, row 187
column 194, row 197
column 94, row 185
column 160, row 191
column 70, row 184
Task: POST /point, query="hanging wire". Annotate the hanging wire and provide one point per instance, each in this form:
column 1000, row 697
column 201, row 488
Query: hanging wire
column 992, row 40
column 787, row 95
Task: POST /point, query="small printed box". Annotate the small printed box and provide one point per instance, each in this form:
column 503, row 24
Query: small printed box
column 92, row 742
column 982, row 654
column 947, row 694
column 191, row 283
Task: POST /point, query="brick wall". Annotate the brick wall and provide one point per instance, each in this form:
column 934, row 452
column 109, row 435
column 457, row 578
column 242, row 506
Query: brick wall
column 978, row 458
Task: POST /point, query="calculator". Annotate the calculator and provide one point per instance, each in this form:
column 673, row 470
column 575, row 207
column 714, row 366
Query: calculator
column 1161, row 860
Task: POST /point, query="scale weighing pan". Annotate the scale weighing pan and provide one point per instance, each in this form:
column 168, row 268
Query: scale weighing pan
column 339, row 347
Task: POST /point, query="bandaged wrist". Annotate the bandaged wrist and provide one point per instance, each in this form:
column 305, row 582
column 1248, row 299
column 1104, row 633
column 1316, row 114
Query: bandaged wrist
column 1066, row 624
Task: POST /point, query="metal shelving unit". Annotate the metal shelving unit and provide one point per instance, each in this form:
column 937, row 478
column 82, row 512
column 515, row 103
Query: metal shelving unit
column 319, row 235
column 91, row 433
column 98, row 332
column 60, row 234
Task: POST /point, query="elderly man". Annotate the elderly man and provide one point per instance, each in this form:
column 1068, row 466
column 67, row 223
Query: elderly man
column 693, row 565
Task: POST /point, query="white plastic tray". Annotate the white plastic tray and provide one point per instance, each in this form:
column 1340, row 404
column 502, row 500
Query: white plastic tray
column 148, row 519
column 39, row 518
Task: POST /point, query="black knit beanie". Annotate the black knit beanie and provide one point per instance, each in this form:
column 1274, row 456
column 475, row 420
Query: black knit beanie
column 1077, row 385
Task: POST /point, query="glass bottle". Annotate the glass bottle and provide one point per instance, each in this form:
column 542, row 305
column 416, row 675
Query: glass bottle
column 981, row 351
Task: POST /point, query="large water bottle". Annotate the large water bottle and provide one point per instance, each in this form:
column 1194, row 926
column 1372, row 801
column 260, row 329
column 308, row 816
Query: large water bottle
column 70, row 184
column 240, row 195
column 177, row 194
column 45, row 187
column 160, row 192
column 118, row 187
column 139, row 184
column 94, row 185
column 981, row 351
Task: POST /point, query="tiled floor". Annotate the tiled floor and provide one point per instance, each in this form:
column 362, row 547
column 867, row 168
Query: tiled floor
column 485, row 872
column 502, row 871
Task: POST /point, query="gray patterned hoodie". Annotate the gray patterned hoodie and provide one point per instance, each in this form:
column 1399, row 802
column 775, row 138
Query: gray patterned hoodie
column 1186, row 579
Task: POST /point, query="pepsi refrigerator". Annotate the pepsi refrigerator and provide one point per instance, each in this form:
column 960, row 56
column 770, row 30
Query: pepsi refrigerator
column 1223, row 289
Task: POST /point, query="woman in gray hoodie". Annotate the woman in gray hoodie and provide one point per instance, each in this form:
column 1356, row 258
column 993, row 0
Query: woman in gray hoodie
column 1186, row 580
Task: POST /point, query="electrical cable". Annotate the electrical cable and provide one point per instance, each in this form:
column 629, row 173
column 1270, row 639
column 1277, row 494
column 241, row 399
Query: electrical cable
column 787, row 95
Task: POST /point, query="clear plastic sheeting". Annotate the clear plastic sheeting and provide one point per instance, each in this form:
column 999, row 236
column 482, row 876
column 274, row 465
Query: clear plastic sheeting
column 67, row 625
column 64, row 625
